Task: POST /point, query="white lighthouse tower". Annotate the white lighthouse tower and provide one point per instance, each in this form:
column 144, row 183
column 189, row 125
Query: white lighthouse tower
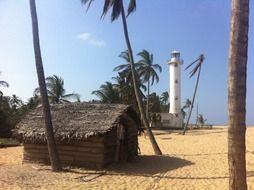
column 175, row 89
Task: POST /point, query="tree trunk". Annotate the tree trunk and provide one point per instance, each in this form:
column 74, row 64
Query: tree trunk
column 147, row 100
column 193, row 99
column 238, row 54
column 54, row 158
column 155, row 146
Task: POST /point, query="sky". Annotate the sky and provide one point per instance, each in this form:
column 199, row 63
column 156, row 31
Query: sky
column 83, row 49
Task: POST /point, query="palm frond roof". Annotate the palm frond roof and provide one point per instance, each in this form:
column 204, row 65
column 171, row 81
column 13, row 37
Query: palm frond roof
column 73, row 121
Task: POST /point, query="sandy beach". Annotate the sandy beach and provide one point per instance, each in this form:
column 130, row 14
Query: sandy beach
column 197, row 160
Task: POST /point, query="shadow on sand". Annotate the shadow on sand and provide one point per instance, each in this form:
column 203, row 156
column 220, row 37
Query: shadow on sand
column 149, row 165
column 145, row 166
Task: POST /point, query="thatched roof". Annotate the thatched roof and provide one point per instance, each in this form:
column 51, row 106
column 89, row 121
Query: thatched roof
column 72, row 121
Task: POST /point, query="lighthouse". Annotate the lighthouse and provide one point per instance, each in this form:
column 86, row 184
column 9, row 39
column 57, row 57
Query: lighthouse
column 175, row 89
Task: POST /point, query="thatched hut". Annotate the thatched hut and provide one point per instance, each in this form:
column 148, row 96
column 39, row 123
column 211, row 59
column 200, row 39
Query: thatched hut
column 88, row 135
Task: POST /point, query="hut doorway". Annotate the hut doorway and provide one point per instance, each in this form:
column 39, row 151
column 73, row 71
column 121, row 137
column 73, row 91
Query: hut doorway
column 121, row 143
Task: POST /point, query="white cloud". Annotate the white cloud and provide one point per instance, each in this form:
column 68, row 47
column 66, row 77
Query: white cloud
column 88, row 38
column 84, row 36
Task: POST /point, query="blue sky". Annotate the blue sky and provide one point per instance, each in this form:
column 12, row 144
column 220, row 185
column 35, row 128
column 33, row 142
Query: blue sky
column 83, row 49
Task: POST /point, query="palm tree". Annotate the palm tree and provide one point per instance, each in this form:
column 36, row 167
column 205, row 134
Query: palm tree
column 238, row 55
column 154, row 103
column 125, row 90
column 117, row 10
column 164, row 101
column 108, row 93
column 187, row 105
column 125, row 82
column 56, row 91
column 201, row 120
column 15, row 102
column 53, row 155
column 147, row 72
column 198, row 66
column 125, row 69
column 33, row 101
column 4, row 84
column 164, row 97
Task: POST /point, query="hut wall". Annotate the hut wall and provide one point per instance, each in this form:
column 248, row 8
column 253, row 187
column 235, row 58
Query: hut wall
column 130, row 152
column 132, row 139
column 88, row 153
column 132, row 134
column 110, row 147
column 95, row 153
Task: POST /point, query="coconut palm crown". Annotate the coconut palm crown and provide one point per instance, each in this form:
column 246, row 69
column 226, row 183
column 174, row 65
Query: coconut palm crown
column 147, row 69
column 108, row 93
column 116, row 7
column 125, row 69
column 164, row 97
column 147, row 72
column 56, row 91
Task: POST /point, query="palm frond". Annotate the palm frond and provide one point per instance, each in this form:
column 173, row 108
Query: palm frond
column 155, row 77
column 200, row 60
column 50, row 93
column 144, row 54
column 131, row 7
column 191, row 64
column 151, row 58
column 116, row 9
column 3, row 83
column 193, row 72
column 72, row 95
column 64, row 101
column 121, row 67
column 141, row 63
column 89, row 2
column 157, row 66
column 125, row 55
column 107, row 5
column 37, row 91
column 100, row 95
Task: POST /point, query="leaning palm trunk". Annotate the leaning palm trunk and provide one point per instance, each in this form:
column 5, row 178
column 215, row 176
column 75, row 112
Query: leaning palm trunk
column 54, row 158
column 147, row 100
column 156, row 148
column 238, row 54
column 192, row 102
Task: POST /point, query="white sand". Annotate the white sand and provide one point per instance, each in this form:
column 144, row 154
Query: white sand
column 197, row 160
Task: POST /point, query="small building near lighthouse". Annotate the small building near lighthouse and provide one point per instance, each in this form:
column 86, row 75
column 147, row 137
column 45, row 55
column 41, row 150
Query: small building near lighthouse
column 174, row 117
column 87, row 135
